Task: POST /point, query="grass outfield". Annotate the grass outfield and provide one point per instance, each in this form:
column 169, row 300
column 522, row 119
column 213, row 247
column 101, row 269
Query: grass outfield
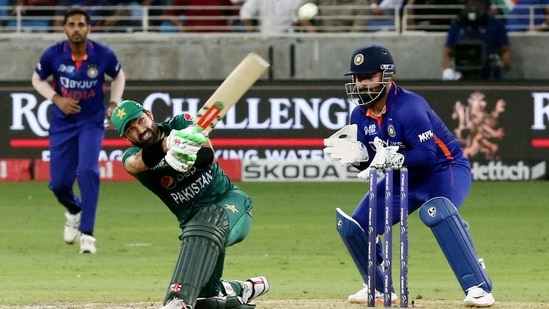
column 293, row 242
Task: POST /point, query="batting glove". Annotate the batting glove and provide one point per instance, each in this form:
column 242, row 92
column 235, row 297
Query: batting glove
column 182, row 157
column 187, row 136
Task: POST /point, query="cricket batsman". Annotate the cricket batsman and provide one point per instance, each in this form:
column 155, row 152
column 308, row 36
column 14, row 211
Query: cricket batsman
column 176, row 162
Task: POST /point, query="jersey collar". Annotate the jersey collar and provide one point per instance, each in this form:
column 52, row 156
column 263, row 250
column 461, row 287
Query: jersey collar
column 90, row 50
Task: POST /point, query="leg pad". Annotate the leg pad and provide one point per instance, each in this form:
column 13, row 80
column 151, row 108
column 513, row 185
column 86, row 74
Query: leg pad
column 202, row 241
column 356, row 241
column 455, row 241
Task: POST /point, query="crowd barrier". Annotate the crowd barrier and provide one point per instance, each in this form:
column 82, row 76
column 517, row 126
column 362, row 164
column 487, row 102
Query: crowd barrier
column 329, row 19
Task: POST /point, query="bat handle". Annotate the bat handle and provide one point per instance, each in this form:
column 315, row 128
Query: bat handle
column 199, row 129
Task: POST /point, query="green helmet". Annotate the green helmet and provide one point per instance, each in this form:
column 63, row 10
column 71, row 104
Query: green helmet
column 125, row 112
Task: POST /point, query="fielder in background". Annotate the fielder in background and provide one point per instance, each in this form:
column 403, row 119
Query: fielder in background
column 176, row 162
column 439, row 175
column 77, row 124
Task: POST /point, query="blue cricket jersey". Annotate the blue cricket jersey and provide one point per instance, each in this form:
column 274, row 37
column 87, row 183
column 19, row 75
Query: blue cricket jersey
column 81, row 80
column 432, row 154
column 410, row 123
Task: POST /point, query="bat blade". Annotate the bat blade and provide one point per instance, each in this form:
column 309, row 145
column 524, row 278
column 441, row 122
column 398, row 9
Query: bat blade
column 237, row 83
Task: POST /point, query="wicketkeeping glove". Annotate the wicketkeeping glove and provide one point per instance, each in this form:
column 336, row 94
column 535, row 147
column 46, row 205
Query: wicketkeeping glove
column 386, row 157
column 187, row 136
column 344, row 148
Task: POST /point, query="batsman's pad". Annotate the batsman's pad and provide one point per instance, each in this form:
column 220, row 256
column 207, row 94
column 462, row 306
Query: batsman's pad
column 356, row 242
column 442, row 217
column 202, row 240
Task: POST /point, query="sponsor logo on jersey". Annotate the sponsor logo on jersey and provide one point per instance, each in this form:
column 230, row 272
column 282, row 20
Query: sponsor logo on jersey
column 370, row 130
column 66, row 68
column 189, row 191
column 425, row 136
column 168, row 182
column 77, row 84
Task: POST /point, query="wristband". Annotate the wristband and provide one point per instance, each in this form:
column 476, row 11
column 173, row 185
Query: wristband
column 204, row 157
column 152, row 154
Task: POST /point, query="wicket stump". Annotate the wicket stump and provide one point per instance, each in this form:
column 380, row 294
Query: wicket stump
column 388, row 236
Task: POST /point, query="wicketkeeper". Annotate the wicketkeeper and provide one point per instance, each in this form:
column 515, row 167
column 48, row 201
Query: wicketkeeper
column 392, row 127
column 176, row 162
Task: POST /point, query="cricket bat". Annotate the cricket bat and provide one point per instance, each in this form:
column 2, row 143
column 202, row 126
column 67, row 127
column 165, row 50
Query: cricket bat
column 242, row 78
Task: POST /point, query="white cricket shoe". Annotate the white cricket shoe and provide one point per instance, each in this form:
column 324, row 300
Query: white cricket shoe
column 253, row 288
column 361, row 297
column 176, row 303
column 477, row 297
column 72, row 224
column 87, row 244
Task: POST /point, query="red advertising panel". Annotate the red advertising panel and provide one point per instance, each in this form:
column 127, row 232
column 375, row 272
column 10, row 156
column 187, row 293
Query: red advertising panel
column 15, row 169
column 108, row 171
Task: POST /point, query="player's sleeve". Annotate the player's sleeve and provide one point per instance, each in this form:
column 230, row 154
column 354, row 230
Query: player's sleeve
column 419, row 136
column 44, row 66
column 356, row 115
column 113, row 66
column 179, row 122
column 128, row 153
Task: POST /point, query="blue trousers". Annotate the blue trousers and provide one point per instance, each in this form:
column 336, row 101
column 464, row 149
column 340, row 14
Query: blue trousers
column 74, row 155
column 453, row 183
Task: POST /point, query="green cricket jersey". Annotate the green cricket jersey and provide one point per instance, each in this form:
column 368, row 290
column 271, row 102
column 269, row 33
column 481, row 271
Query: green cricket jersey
column 183, row 193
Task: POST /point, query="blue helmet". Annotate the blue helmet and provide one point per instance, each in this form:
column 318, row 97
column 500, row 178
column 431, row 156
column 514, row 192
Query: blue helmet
column 371, row 59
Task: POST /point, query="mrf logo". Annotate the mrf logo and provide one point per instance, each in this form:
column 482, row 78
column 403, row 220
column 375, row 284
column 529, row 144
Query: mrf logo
column 425, row 136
